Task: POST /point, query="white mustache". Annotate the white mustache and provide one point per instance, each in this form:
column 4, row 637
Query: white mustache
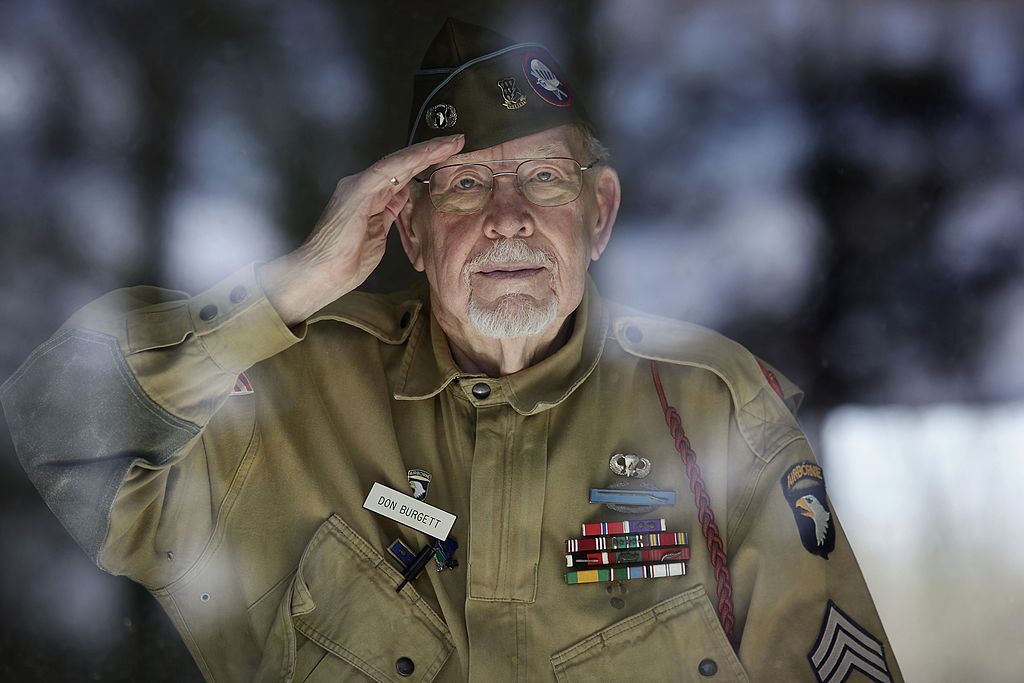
column 507, row 251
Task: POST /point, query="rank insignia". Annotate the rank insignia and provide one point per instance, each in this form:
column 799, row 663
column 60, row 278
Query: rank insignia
column 441, row 116
column 419, row 481
column 511, row 96
column 545, row 81
column 804, row 487
column 844, row 645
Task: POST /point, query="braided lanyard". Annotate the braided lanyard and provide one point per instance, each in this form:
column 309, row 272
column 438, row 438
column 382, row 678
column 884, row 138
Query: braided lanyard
column 705, row 514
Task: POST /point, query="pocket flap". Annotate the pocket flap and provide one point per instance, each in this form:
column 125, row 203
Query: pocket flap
column 343, row 599
column 666, row 642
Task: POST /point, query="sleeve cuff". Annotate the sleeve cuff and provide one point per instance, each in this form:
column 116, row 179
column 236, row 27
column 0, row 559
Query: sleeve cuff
column 237, row 324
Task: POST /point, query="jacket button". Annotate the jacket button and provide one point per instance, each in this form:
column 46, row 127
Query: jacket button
column 208, row 313
column 707, row 667
column 481, row 390
column 238, row 294
column 404, row 666
column 634, row 334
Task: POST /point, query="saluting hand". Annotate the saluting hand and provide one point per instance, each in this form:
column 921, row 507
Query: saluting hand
column 347, row 242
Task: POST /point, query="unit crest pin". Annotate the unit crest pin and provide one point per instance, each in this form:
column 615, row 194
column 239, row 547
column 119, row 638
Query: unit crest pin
column 512, row 97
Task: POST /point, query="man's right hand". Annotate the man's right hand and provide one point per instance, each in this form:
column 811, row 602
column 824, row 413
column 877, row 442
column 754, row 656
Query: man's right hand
column 348, row 241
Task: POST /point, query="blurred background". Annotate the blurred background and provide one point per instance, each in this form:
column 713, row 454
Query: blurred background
column 839, row 185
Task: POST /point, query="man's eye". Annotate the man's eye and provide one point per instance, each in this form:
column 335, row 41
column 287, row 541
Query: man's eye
column 466, row 183
column 544, row 176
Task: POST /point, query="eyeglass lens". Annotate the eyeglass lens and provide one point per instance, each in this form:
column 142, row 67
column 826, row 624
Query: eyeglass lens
column 465, row 188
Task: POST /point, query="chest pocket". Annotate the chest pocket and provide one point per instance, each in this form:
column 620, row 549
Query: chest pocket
column 341, row 618
column 678, row 639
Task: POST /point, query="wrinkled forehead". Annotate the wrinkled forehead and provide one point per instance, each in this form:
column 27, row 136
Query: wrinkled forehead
column 555, row 142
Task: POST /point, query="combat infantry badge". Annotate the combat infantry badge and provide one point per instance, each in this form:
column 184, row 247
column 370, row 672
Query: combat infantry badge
column 628, row 497
column 804, row 487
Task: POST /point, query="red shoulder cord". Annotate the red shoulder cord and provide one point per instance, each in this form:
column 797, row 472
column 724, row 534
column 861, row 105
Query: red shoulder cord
column 705, row 514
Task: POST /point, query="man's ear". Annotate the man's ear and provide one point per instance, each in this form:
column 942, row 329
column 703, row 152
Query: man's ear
column 608, row 194
column 412, row 241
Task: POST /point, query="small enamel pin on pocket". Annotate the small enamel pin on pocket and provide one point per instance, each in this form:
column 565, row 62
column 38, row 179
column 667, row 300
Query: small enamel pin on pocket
column 443, row 553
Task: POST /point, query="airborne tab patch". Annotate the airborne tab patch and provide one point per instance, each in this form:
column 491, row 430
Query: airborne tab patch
column 804, row 487
column 844, row 645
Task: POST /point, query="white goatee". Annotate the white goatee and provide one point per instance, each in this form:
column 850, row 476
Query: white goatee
column 513, row 314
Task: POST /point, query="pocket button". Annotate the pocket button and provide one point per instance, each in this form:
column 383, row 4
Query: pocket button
column 404, row 666
column 707, row 667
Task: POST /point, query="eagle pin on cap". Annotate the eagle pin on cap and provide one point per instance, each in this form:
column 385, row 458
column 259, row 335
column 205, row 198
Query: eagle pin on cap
column 489, row 88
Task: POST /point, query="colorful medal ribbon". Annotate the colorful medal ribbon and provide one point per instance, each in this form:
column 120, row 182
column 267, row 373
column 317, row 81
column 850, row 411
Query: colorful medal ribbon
column 619, row 551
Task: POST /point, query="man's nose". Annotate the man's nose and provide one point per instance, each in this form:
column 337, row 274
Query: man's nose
column 507, row 212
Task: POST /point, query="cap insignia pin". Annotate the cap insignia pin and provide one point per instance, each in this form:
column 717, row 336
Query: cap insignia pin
column 545, row 82
column 512, row 96
column 441, row 116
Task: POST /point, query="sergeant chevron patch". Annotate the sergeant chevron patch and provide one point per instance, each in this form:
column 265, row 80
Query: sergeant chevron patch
column 844, row 645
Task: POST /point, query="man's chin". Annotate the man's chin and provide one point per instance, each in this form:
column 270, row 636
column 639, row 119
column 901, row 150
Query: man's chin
column 512, row 315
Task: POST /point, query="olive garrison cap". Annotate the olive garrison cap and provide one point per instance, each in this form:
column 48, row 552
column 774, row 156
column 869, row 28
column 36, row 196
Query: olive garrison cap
column 479, row 83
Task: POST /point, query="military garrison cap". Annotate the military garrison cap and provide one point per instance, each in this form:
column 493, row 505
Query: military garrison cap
column 479, row 83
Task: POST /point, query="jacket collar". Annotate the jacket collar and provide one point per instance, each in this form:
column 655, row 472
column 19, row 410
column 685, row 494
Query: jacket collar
column 428, row 367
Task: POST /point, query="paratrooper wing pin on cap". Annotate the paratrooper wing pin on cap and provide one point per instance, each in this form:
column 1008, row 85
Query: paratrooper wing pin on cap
column 491, row 89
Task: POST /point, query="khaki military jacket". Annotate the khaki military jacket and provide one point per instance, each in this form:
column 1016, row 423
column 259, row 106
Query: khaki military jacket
column 237, row 501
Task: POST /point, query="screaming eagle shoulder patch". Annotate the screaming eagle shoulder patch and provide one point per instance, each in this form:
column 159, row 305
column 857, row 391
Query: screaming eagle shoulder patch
column 804, row 487
column 844, row 645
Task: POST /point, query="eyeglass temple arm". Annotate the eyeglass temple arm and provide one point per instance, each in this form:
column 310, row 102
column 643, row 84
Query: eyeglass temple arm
column 589, row 166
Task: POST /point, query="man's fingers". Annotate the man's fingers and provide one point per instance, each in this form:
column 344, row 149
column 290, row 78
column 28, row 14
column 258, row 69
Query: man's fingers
column 395, row 206
column 403, row 164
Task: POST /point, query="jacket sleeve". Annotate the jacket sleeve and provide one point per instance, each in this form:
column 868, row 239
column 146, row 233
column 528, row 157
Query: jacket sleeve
column 804, row 612
column 106, row 409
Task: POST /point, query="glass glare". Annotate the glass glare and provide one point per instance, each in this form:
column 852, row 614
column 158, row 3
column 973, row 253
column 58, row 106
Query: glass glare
column 465, row 188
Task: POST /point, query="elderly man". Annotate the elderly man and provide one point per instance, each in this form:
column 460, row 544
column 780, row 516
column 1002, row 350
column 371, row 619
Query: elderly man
column 496, row 476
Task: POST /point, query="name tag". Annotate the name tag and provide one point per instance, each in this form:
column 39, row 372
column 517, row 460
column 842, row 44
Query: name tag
column 406, row 510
